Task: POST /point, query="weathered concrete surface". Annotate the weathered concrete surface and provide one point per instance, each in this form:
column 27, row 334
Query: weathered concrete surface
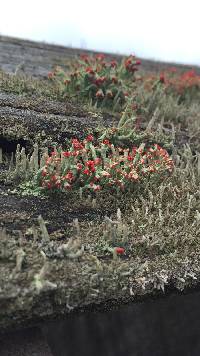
column 38, row 119
column 34, row 58
column 29, row 342
column 167, row 326
column 37, row 58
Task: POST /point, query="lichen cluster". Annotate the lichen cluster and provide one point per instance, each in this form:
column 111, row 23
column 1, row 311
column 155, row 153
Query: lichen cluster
column 84, row 246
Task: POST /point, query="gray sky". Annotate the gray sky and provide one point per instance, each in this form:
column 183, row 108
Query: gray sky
column 168, row 30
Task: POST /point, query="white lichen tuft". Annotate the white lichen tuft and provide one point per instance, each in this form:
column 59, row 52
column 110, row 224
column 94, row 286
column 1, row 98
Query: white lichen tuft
column 72, row 249
column 43, row 229
column 20, row 256
column 40, row 282
column 1, row 155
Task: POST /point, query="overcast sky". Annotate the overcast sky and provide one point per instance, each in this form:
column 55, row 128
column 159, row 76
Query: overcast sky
column 168, row 30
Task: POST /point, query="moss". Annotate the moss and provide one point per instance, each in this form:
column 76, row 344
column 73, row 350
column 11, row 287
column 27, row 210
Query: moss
column 24, row 85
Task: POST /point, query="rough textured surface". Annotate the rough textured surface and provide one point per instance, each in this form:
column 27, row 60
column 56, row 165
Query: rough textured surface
column 37, row 119
column 29, row 342
column 161, row 327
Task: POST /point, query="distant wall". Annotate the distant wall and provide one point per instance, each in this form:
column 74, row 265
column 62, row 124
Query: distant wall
column 37, row 59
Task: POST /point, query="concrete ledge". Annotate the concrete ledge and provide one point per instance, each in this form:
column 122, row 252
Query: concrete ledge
column 29, row 342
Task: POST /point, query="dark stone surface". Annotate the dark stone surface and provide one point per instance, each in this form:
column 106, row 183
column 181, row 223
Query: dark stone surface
column 29, row 342
column 164, row 327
